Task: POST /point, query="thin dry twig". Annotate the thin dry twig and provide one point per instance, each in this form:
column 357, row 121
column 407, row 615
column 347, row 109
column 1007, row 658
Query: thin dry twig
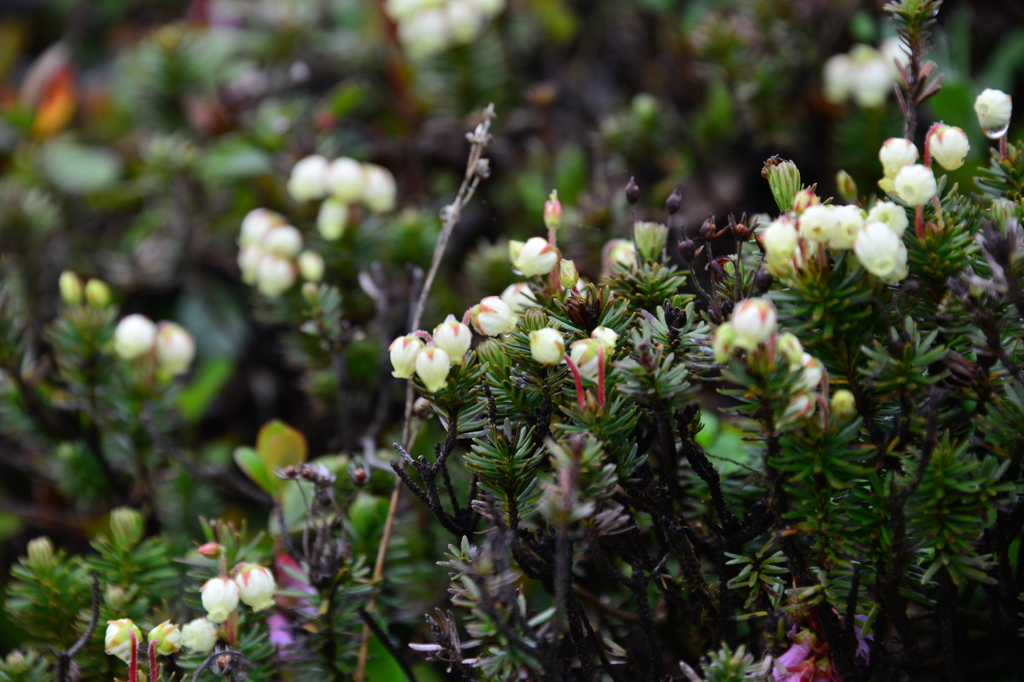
column 477, row 169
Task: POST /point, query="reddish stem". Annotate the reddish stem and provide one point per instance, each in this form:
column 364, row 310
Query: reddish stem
column 1002, row 146
column 600, row 375
column 928, row 145
column 154, row 673
column 133, row 666
column 919, row 221
column 232, row 627
column 579, row 382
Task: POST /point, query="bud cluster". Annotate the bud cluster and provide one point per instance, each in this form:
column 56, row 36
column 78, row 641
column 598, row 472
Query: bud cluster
column 270, row 253
column 168, row 343
column 864, row 74
column 345, row 181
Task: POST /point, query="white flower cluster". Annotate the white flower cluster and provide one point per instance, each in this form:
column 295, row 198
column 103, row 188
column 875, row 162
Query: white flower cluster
column 864, row 74
column 168, row 343
column 270, row 254
column 426, row 27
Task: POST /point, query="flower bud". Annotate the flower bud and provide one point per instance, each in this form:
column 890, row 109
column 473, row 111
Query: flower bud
column 432, row 366
column 724, row 343
column 949, row 146
column 846, row 185
column 762, row 280
column 331, row 219
column 790, row 347
column 256, row 224
column 40, row 553
column 256, row 586
column 311, row 266
column 547, row 346
column 115, row 597
column 804, row 199
column 811, row 373
column 535, row 257
column 754, row 321
column 893, row 215
column 784, row 181
column 780, row 238
column 309, row 178
column 274, row 276
column 519, row 297
column 877, row 247
column 606, row 336
column 817, row 224
column 175, row 349
column 97, row 293
column 118, row 639
column 586, row 356
column 843, row 404
column 515, row 249
column 915, row 184
column 70, row 288
column 454, row 338
column 900, row 271
column 167, row 637
column 492, row 317
column 632, row 191
column 345, row 180
column 284, row 241
column 220, row 598
column 621, row 252
column 359, row 476
column 199, row 636
column 210, row 550
column 15, row 664
column 249, row 262
column 993, row 108
column 1004, row 214
column 837, row 78
column 126, row 527
column 403, row 352
column 553, row 211
column 568, row 275
column 379, row 189
column 800, row 407
column 848, row 222
column 134, row 336
column 896, row 152
column 650, row 239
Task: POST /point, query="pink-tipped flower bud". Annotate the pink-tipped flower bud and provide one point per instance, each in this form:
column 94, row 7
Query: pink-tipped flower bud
column 553, row 211
column 403, row 351
column 949, row 146
column 432, row 367
column 800, row 407
column 586, row 355
column 210, row 550
column 167, row 637
column 175, row 349
column 896, row 152
column 256, row 586
column 535, row 257
column 118, row 639
column 547, row 346
column 754, row 321
column 519, row 298
column 790, row 348
column 804, row 199
column 811, row 373
column 134, row 336
column 994, row 108
column 454, row 338
column 220, row 598
column 199, row 636
column 492, row 317
column 915, row 184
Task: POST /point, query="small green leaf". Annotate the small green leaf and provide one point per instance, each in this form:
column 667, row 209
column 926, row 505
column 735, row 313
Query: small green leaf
column 279, row 445
column 249, row 461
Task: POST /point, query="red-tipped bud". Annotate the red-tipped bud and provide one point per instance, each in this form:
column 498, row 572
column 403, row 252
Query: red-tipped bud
column 553, row 211
column 211, row 550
